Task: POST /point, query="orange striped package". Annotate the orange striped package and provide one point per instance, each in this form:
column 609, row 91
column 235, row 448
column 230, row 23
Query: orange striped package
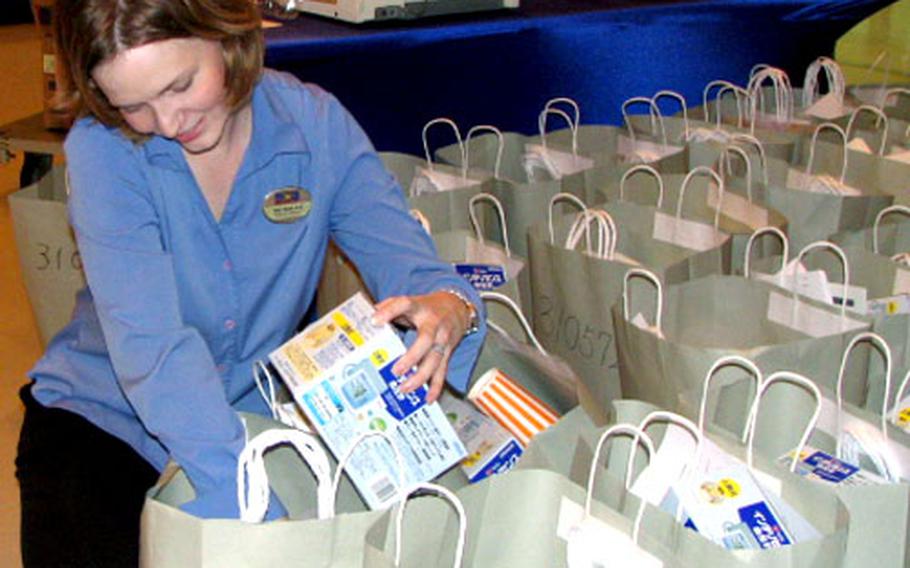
column 512, row 405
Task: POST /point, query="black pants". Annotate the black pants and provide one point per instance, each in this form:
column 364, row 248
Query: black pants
column 81, row 490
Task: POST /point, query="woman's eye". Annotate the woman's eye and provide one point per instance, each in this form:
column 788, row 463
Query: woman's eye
column 130, row 109
column 182, row 87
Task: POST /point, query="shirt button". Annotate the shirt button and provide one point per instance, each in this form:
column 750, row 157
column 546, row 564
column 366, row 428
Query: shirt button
column 229, row 324
column 227, row 265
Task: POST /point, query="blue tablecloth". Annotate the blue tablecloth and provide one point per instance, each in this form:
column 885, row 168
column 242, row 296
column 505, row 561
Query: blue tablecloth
column 500, row 67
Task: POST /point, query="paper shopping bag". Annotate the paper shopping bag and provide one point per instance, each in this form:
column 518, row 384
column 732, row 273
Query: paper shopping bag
column 829, row 189
column 313, row 534
column 665, row 352
column 50, row 261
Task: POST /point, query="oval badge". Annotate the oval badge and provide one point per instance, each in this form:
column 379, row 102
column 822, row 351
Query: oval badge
column 287, row 205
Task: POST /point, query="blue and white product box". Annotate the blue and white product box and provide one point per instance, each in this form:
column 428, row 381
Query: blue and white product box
column 483, row 277
column 819, row 466
column 339, row 371
column 727, row 506
column 491, row 448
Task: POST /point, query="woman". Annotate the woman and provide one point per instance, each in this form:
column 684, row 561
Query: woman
column 203, row 194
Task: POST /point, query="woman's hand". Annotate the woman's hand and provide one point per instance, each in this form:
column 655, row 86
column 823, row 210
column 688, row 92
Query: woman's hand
column 441, row 319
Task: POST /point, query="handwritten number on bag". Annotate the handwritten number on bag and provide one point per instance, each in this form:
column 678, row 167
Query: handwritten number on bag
column 52, row 257
column 565, row 331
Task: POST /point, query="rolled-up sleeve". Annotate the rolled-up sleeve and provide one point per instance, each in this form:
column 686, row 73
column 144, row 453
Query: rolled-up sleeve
column 371, row 223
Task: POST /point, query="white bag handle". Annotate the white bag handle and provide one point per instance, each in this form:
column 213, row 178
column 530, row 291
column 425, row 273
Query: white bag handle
column 252, row 478
column 726, row 166
column 500, row 144
column 843, row 135
column 461, row 148
column 743, row 138
column 727, row 361
column 563, row 196
column 647, row 275
column 702, row 170
column 785, row 249
column 516, row 311
column 418, row 215
column 783, row 96
column 739, row 95
column 642, row 168
column 686, row 424
column 576, row 111
column 706, row 93
column 542, row 127
column 499, row 211
column 349, row 453
column 657, row 120
column 895, row 92
column 444, row 494
column 881, row 119
column 607, row 234
column 791, row 377
column 876, row 227
column 268, row 396
column 885, row 351
column 682, row 103
column 839, row 252
column 834, row 76
column 639, row 437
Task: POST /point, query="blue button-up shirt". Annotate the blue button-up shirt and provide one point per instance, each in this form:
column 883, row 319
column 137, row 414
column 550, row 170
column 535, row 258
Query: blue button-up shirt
column 179, row 305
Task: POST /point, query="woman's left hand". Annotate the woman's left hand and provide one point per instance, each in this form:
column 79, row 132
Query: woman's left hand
column 441, row 320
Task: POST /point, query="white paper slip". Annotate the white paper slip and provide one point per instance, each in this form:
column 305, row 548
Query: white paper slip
column 811, row 320
column 890, row 306
column 639, row 321
column 827, row 107
column 339, row 371
column 556, row 162
column 643, row 151
column 859, row 145
column 901, row 281
column 740, row 209
column 686, row 233
column 433, row 181
column 592, row 543
column 797, row 179
column 902, row 155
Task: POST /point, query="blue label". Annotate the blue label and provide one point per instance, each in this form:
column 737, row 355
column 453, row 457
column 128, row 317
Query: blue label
column 829, row 467
column 399, row 404
column 502, row 462
column 764, row 525
column 482, row 276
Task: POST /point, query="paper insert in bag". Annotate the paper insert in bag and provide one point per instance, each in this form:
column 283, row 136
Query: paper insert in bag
column 339, row 371
column 491, row 448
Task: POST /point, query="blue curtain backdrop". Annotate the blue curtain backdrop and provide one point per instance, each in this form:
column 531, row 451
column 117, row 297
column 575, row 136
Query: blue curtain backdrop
column 500, row 67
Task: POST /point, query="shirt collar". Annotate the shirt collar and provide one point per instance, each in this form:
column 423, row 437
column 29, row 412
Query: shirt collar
column 274, row 132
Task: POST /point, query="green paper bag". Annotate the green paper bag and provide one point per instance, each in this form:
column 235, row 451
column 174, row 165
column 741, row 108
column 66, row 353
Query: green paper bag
column 815, row 206
column 51, row 266
column 664, row 353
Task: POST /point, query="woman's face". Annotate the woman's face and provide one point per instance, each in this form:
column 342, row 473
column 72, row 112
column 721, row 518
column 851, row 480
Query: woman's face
column 172, row 88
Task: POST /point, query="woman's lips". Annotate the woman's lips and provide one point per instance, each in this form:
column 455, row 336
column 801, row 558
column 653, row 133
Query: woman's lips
column 190, row 135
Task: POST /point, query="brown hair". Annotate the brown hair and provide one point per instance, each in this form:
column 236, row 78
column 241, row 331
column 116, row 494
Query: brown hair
column 88, row 32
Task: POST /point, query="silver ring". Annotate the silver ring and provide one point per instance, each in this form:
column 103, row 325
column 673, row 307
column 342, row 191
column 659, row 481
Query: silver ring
column 438, row 348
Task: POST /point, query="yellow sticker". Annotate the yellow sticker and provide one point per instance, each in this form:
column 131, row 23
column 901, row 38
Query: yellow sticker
column 903, row 418
column 729, row 488
column 348, row 328
column 380, row 357
column 892, row 308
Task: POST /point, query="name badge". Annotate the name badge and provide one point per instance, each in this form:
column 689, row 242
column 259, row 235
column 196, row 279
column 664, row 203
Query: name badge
column 287, row 205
